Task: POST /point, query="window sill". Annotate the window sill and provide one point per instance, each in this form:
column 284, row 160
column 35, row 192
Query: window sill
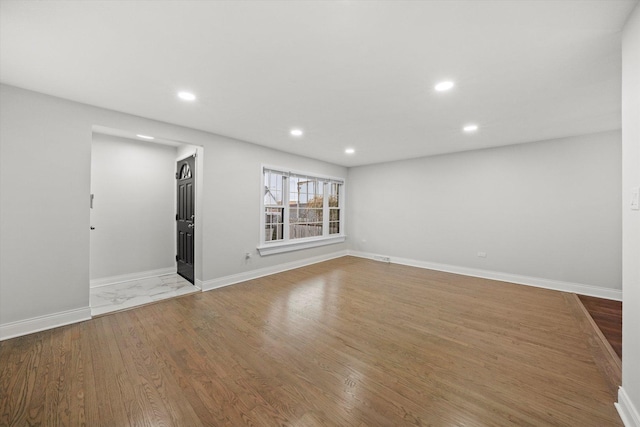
column 295, row 245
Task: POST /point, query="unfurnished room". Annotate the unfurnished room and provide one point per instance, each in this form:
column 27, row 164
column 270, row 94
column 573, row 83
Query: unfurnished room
column 320, row 213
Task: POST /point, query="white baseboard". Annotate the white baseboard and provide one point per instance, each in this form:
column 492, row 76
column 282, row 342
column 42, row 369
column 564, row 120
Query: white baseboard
column 628, row 412
column 41, row 323
column 106, row 281
column 261, row 272
column 24, row 327
column 578, row 288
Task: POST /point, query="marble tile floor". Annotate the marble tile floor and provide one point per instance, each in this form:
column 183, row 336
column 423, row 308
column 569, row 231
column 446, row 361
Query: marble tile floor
column 119, row 296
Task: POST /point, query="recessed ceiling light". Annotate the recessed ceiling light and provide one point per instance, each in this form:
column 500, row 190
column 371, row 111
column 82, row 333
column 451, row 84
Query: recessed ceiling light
column 186, row 96
column 470, row 128
column 145, row 136
column 296, row 132
column 444, row 86
column 349, row 151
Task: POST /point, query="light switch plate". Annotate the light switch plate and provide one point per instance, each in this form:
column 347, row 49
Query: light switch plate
column 635, row 199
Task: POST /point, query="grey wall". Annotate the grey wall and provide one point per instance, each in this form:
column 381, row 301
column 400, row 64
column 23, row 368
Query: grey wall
column 547, row 210
column 134, row 207
column 631, row 218
column 45, row 150
column 45, row 160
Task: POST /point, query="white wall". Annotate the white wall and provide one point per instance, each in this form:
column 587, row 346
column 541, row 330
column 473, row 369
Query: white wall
column 630, row 392
column 547, row 210
column 45, row 149
column 134, row 206
column 233, row 187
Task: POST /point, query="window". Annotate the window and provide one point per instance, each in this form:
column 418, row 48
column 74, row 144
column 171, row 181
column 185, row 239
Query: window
column 185, row 172
column 300, row 211
column 334, row 208
column 273, row 206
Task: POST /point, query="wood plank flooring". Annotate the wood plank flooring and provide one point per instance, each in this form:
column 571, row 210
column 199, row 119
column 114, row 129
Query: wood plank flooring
column 608, row 316
column 348, row 342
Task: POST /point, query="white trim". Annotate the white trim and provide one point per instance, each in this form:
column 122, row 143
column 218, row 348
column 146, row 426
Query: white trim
column 193, row 153
column 578, row 288
column 297, row 244
column 41, row 323
column 261, row 272
column 106, row 281
column 284, row 170
column 628, row 412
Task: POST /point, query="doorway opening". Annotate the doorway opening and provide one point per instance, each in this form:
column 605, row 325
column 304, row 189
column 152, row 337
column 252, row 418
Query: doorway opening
column 134, row 221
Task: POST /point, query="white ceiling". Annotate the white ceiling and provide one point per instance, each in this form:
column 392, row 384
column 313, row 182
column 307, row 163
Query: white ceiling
column 350, row 73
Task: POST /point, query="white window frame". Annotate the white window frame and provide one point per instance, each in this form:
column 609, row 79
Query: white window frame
column 286, row 244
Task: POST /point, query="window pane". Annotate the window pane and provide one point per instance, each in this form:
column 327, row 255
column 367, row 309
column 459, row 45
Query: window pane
column 185, row 171
column 274, row 216
column 334, row 215
column 273, row 224
column 334, row 227
column 306, row 203
column 273, row 189
column 334, row 195
column 302, row 230
column 306, row 192
column 298, row 214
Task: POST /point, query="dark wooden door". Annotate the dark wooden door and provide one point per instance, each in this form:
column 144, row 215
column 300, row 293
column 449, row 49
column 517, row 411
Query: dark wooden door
column 185, row 217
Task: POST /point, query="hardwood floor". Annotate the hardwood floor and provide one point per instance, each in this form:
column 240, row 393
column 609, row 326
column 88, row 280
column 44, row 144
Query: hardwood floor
column 348, row 342
column 608, row 316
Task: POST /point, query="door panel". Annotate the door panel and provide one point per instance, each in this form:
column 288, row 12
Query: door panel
column 185, row 217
